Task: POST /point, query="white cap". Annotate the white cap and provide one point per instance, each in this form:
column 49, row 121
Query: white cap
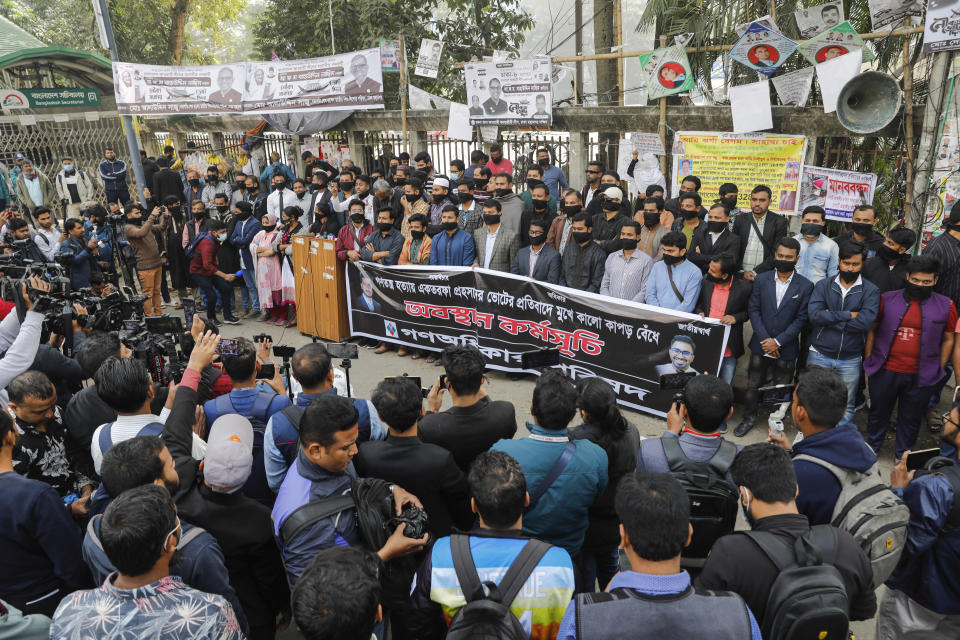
column 443, row 182
column 614, row 193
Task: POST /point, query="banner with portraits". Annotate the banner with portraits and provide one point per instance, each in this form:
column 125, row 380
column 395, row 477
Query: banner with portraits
column 628, row 344
column 833, row 43
column 510, row 92
column 763, row 49
column 887, row 12
column 942, row 29
column 667, row 72
column 346, row 81
column 818, row 18
column 838, row 192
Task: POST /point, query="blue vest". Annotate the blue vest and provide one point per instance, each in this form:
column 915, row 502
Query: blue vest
column 286, row 435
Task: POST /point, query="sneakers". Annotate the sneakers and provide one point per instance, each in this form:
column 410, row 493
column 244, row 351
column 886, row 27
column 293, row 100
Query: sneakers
column 229, row 319
column 744, row 427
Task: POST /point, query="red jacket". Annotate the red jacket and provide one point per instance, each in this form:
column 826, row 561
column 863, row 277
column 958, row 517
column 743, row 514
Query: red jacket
column 345, row 240
column 205, row 262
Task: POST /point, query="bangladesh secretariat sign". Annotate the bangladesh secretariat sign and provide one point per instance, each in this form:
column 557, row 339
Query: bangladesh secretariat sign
column 49, row 98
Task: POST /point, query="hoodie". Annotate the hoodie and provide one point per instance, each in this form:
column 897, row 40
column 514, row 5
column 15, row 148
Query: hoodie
column 819, row 489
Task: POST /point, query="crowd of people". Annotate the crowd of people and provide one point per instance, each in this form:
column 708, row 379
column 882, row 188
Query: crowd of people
column 235, row 503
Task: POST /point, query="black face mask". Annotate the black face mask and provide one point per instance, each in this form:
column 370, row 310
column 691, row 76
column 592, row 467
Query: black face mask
column 861, row 228
column 199, row 215
column 581, row 236
column 669, row 259
column 716, row 226
column 358, row 217
column 628, row 244
column 918, row 292
column 194, row 182
column 243, row 215
column 277, row 186
column 544, row 162
column 537, row 239
column 399, row 182
column 346, row 186
column 531, row 183
column 887, row 254
column 811, row 229
column 465, row 197
column 690, row 215
column 481, row 183
column 849, row 276
column 784, row 266
column 716, row 280
column 241, row 186
column 572, row 209
column 384, row 226
column 135, row 221
column 610, row 205
column 222, row 208
column 314, row 188
column 650, row 220
column 502, row 193
column 411, row 197
column 417, row 235
column 539, row 205
column 269, row 227
column 730, row 202
column 492, row 218
column 448, row 226
column 362, row 194
column 174, row 209
column 213, row 179
column 438, row 198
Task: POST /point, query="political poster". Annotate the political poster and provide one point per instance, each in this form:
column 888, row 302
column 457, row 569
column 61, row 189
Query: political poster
column 774, row 160
column 667, row 72
column 630, row 345
column 350, row 81
column 510, row 93
column 762, row 49
column 346, row 81
column 942, row 28
column 887, row 12
column 813, row 20
column 428, row 62
column 794, row 87
column 838, row 192
column 944, row 185
column 833, row 43
column 146, row 89
column 389, row 56
column 766, row 21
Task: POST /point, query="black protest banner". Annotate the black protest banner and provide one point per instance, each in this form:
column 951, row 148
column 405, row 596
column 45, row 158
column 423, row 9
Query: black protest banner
column 628, row 344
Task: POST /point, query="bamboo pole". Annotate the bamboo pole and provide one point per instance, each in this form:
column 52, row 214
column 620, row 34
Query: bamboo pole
column 908, row 124
column 403, row 92
column 662, row 125
column 618, row 42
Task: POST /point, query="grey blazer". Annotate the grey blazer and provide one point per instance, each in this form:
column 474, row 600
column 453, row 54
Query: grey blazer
column 504, row 248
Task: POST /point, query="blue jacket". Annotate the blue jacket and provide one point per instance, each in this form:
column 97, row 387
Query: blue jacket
column 201, row 564
column 82, row 259
column 928, row 567
column 267, row 174
column 456, row 251
column 561, row 516
column 819, row 489
column 306, row 482
column 688, row 278
column 280, row 437
column 241, row 238
column 834, row 334
column 782, row 323
column 113, row 173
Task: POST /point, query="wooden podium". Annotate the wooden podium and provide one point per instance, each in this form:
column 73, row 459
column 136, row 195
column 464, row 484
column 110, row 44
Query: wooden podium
column 320, row 288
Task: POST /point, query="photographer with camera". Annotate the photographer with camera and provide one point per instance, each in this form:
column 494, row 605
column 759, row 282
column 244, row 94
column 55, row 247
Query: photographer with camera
column 923, row 593
column 324, row 469
column 96, row 224
column 139, row 232
column 427, row 470
column 498, row 495
column 85, row 252
column 24, row 244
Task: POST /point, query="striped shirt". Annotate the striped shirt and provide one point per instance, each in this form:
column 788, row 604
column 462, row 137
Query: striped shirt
column 626, row 279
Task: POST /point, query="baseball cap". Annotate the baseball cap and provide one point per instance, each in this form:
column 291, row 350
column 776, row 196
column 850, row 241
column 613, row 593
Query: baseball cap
column 229, row 457
column 18, row 156
column 614, row 193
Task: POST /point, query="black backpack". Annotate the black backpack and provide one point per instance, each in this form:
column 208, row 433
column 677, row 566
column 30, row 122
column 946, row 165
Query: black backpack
column 713, row 501
column 809, row 598
column 487, row 613
column 256, row 486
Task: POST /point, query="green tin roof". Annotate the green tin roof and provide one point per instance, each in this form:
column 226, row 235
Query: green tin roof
column 13, row 38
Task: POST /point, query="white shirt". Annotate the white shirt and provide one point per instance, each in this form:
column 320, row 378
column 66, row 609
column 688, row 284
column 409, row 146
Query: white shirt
column 273, row 201
column 534, row 256
column 52, row 238
column 488, row 249
column 845, row 290
column 714, row 236
column 127, row 427
column 782, row 286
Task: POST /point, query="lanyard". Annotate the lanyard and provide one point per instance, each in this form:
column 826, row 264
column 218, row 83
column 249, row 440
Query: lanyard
column 538, row 437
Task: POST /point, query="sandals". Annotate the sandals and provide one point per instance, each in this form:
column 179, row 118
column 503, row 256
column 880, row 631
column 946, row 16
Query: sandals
column 934, row 421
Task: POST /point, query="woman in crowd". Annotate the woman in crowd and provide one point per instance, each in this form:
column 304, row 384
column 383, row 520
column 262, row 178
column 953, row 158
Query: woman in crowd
column 604, row 425
column 286, row 311
column 268, row 268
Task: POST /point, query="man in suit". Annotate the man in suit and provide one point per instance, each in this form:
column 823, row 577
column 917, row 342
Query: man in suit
column 496, row 247
column 166, row 182
column 725, row 297
column 403, row 459
column 778, row 312
column 227, row 94
column 365, row 301
column 714, row 238
column 361, row 85
column 538, row 261
column 583, row 260
column 759, row 233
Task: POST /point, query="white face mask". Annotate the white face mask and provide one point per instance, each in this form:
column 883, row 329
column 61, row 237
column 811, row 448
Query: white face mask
column 222, row 237
column 746, row 508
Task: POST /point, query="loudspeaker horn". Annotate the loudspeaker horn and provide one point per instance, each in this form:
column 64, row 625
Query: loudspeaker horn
column 869, row 102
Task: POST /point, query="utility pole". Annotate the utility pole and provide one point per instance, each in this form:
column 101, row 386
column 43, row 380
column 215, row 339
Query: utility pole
column 578, row 43
column 132, row 146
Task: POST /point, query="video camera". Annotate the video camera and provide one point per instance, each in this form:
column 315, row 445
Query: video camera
column 156, row 341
